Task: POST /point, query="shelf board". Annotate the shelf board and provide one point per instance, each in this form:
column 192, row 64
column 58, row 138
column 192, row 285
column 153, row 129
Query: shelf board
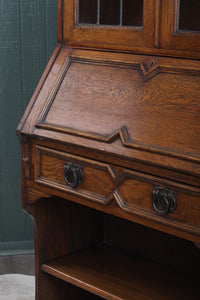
column 112, row 274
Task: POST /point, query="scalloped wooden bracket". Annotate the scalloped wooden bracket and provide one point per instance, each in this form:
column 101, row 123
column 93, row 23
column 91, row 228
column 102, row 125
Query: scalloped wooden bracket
column 32, row 195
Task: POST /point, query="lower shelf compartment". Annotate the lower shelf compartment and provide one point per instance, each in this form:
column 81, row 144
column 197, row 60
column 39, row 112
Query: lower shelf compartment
column 114, row 274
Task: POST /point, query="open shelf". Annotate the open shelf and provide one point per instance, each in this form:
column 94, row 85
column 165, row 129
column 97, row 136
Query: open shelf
column 114, row 274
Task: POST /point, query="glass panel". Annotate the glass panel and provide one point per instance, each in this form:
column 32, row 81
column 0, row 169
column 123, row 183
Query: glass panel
column 88, row 11
column 132, row 13
column 189, row 15
column 110, row 12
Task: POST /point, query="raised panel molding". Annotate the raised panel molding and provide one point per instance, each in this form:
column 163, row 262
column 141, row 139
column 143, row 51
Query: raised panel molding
column 58, row 184
column 142, row 206
column 146, row 73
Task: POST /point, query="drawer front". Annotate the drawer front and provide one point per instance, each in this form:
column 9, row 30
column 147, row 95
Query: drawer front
column 160, row 200
column 79, row 176
column 156, row 199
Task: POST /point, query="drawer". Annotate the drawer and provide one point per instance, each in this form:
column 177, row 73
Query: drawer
column 76, row 175
column 153, row 198
column 160, row 200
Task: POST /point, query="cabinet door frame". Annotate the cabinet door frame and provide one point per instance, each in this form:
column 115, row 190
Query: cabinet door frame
column 170, row 36
column 108, row 37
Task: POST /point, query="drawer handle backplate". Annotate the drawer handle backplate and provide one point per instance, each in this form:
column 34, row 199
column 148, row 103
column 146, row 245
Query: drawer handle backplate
column 163, row 200
column 73, row 174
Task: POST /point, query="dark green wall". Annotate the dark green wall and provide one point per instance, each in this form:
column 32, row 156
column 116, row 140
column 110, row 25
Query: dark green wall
column 27, row 39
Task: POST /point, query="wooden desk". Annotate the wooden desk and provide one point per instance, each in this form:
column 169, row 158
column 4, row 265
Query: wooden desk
column 111, row 159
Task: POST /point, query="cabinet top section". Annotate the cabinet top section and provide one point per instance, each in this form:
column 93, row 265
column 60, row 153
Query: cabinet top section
column 137, row 107
column 167, row 27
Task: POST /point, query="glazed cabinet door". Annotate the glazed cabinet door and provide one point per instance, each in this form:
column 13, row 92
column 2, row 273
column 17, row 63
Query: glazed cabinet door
column 180, row 25
column 111, row 24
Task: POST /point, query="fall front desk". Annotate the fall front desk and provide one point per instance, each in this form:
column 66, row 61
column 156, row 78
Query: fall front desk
column 111, row 159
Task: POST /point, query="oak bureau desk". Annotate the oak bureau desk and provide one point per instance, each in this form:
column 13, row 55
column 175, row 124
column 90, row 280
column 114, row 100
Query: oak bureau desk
column 110, row 146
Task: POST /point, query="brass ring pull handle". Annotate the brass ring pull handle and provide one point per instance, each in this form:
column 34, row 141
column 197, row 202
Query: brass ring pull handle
column 163, row 200
column 73, row 174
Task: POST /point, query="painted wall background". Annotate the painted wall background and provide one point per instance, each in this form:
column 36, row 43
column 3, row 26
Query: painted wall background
column 27, row 40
